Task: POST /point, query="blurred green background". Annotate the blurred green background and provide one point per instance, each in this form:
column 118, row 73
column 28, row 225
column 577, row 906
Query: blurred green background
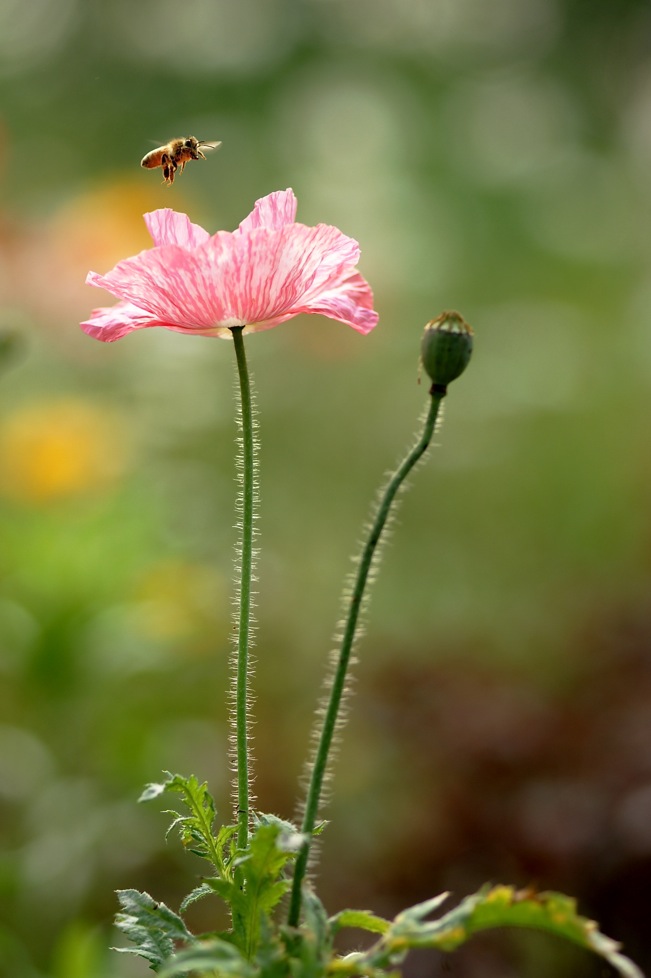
column 489, row 157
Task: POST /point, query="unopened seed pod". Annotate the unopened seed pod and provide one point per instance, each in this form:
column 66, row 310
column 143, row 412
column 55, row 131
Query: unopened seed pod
column 445, row 349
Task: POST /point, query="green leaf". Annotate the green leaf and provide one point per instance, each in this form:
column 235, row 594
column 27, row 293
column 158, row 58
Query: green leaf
column 316, row 918
column 273, row 960
column 289, row 838
column 196, row 828
column 152, row 927
column 308, row 949
column 215, row 955
column 361, row 919
column 204, row 889
column 227, row 889
column 499, row 906
column 260, row 875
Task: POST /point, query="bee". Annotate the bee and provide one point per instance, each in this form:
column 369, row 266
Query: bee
column 176, row 154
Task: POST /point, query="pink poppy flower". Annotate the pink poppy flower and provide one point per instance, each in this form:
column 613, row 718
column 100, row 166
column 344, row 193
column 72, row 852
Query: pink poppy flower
column 267, row 271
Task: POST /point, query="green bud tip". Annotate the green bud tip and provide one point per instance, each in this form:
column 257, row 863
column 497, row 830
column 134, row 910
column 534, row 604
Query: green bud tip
column 445, row 350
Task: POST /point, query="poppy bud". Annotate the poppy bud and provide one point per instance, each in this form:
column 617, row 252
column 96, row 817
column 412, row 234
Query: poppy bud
column 445, row 349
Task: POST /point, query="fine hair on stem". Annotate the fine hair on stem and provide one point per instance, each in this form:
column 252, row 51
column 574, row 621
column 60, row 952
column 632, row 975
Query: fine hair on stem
column 242, row 635
column 331, row 712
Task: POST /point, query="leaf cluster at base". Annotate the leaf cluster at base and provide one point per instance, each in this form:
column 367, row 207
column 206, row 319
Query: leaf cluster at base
column 253, row 882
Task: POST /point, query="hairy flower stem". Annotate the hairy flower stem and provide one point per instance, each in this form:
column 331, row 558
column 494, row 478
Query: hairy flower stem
column 244, row 587
column 331, row 715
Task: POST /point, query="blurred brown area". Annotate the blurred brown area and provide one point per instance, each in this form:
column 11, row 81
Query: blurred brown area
column 486, row 775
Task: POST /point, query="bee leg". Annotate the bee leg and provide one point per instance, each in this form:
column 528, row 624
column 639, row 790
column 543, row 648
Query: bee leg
column 200, row 155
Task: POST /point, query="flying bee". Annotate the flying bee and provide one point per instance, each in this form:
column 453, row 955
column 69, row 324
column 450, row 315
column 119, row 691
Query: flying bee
column 175, row 155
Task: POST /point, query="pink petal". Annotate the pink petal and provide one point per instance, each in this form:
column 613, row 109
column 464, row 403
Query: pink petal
column 169, row 227
column 267, row 271
column 168, row 283
column 336, row 259
column 111, row 323
column 273, row 211
column 350, row 302
column 234, row 279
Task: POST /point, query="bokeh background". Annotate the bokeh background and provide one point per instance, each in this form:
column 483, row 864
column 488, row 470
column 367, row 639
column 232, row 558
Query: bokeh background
column 489, row 157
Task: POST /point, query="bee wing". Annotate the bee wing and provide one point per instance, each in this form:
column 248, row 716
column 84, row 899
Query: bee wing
column 206, row 144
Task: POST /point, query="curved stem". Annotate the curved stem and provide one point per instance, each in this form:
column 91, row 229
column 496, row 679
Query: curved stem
column 244, row 587
column 328, row 730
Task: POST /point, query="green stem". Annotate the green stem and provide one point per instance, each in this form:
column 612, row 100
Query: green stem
column 336, row 693
column 246, row 572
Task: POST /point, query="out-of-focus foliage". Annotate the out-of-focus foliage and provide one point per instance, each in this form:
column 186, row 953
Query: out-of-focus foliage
column 490, row 157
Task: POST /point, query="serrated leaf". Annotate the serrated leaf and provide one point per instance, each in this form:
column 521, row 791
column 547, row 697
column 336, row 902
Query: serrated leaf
column 196, row 828
column 153, row 928
column 499, row 906
column 204, row 889
column 289, row 838
column 361, row 919
column 227, row 889
column 262, row 883
column 262, row 866
column 213, row 955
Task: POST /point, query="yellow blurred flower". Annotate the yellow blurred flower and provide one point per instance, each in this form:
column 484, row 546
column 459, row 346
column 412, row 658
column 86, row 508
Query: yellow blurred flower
column 46, row 263
column 178, row 600
column 103, row 224
column 59, row 450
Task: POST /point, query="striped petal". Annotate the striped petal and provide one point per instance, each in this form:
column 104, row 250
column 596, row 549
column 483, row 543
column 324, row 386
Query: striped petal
column 264, row 273
column 169, row 227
